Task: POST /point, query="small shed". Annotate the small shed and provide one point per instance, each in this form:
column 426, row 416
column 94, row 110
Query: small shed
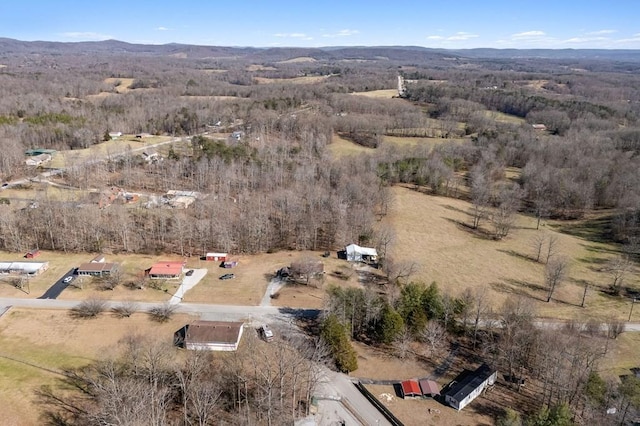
column 98, row 259
column 32, row 254
column 429, row 388
column 216, row 257
column 411, row 389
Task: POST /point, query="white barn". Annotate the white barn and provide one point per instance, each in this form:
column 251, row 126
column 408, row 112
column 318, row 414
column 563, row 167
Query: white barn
column 23, row 268
column 355, row 253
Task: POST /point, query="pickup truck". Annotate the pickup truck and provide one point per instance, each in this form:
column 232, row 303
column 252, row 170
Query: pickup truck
column 265, row 333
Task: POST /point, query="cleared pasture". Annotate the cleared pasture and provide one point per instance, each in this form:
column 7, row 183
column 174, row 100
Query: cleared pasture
column 378, row 94
column 35, row 344
column 433, row 232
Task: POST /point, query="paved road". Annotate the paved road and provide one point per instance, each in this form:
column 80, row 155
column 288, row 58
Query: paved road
column 58, row 287
column 339, row 386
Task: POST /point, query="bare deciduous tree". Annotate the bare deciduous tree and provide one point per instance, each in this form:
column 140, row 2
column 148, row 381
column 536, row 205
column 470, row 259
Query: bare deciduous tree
column 89, row 308
column 162, row 313
column 400, row 271
column 554, row 273
column 402, row 343
column 618, row 268
column 434, row 335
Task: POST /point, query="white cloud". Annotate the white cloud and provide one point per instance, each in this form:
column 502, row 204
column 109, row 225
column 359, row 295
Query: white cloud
column 86, row 36
column 585, row 39
column 435, row 37
column 602, row 32
column 300, row 36
column 528, row 35
column 162, row 29
column 342, row 33
column 462, row 36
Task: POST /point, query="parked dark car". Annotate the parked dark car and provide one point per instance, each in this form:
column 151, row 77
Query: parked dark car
column 227, row 276
column 189, row 272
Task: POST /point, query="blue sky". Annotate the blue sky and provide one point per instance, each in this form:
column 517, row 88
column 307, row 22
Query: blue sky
column 613, row 24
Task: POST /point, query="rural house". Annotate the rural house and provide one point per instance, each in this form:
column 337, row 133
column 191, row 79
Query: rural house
column 210, row 336
column 97, row 269
column 167, row 270
column 355, row 253
column 469, row 385
column 38, row 160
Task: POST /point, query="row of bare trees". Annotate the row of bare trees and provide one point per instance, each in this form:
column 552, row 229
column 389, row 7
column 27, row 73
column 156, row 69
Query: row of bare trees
column 143, row 381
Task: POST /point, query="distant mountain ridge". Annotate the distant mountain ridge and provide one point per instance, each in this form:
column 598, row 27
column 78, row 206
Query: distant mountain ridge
column 9, row 47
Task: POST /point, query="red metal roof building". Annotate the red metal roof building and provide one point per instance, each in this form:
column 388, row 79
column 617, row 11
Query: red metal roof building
column 166, row 270
column 411, row 389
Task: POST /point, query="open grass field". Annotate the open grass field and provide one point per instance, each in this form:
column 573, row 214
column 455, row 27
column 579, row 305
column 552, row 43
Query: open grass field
column 341, row 147
column 501, row 117
column 378, row 94
column 295, row 80
column 103, row 149
column 259, row 67
column 621, row 356
column 34, row 344
column 38, row 190
column 122, row 85
column 299, row 59
column 430, row 231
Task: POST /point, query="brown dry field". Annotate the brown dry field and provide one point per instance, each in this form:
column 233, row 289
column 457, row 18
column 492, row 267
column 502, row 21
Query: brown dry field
column 429, row 231
column 504, row 118
column 112, row 147
column 295, row 80
column 32, row 341
column 123, row 85
column 621, row 356
column 415, row 412
column 259, row 67
column 378, row 94
column 298, row 60
column 341, row 147
column 253, row 274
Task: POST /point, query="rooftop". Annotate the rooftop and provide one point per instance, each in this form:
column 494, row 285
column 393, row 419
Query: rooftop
column 213, row 332
column 460, row 390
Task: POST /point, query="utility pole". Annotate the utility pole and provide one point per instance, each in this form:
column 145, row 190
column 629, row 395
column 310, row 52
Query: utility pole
column 633, row 302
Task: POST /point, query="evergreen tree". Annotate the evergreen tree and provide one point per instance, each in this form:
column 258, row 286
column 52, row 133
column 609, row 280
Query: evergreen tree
column 390, row 324
column 335, row 335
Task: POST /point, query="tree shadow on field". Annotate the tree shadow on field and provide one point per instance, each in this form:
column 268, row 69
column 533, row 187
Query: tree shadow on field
column 518, row 255
column 519, row 288
column 477, row 232
column 456, row 209
column 598, row 230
